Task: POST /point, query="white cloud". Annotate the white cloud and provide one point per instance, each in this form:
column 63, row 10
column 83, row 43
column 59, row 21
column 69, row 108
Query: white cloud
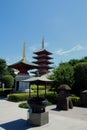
column 74, row 49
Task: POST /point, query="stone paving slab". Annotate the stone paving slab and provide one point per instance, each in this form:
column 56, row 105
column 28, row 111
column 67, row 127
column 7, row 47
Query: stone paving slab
column 14, row 118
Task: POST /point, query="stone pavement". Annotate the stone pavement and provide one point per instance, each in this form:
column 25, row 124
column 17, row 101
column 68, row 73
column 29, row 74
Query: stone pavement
column 14, row 118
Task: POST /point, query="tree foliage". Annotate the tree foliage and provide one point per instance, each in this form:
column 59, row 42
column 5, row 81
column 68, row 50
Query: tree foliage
column 3, row 67
column 6, row 74
column 63, row 75
column 73, row 73
column 80, row 76
column 8, row 80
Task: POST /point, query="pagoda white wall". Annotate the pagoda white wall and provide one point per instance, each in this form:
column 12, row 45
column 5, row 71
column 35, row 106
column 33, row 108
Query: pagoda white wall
column 22, row 86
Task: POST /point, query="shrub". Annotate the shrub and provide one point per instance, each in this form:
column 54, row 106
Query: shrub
column 24, row 96
column 52, row 97
column 18, row 97
column 76, row 100
column 1, row 93
column 41, row 87
column 5, row 92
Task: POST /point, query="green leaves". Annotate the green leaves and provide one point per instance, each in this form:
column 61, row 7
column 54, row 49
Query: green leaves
column 64, row 74
column 8, row 80
column 6, row 74
column 80, row 76
column 2, row 66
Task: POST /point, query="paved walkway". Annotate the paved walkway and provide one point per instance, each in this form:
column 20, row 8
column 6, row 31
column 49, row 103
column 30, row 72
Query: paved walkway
column 14, row 118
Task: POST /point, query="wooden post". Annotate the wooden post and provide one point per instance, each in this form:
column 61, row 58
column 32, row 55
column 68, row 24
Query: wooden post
column 45, row 89
column 29, row 90
column 37, row 89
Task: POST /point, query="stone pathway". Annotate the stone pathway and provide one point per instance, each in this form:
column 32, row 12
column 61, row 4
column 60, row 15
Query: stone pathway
column 14, row 118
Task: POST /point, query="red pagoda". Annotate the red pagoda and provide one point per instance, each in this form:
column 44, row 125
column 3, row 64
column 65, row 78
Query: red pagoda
column 43, row 60
column 23, row 66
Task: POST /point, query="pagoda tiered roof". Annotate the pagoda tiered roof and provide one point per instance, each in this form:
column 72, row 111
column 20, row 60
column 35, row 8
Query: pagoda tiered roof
column 43, row 51
column 42, row 60
column 23, row 65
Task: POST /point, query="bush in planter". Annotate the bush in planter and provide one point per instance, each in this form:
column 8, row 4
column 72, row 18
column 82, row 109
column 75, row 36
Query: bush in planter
column 26, row 106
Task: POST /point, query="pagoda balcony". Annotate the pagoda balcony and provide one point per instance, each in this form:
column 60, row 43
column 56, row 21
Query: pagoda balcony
column 43, row 72
column 43, row 56
column 42, row 61
column 45, row 66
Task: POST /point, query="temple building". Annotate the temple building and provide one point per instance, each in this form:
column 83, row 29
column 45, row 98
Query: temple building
column 23, row 66
column 43, row 62
column 41, row 66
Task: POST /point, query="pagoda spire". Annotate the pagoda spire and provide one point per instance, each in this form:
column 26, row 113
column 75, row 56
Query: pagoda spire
column 24, row 51
column 43, row 43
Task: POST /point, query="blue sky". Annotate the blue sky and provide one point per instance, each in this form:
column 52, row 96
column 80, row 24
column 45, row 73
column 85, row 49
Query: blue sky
column 63, row 23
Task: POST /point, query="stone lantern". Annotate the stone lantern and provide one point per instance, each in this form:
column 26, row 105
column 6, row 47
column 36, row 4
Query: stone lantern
column 64, row 102
column 83, row 97
column 38, row 115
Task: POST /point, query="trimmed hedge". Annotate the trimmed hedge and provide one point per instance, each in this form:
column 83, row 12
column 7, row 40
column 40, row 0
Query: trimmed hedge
column 51, row 96
column 76, row 100
column 5, row 92
column 41, row 87
column 18, row 97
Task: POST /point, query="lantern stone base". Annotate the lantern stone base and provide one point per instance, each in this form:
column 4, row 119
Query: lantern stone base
column 38, row 119
column 64, row 103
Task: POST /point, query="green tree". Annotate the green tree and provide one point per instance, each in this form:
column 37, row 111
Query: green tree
column 64, row 74
column 73, row 62
column 80, row 76
column 10, row 71
column 6, row 74
column 8, row 80
column 3, row 67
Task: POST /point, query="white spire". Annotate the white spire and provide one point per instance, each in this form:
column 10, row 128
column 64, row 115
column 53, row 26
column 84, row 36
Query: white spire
column 43, row 43
column 24, row 51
